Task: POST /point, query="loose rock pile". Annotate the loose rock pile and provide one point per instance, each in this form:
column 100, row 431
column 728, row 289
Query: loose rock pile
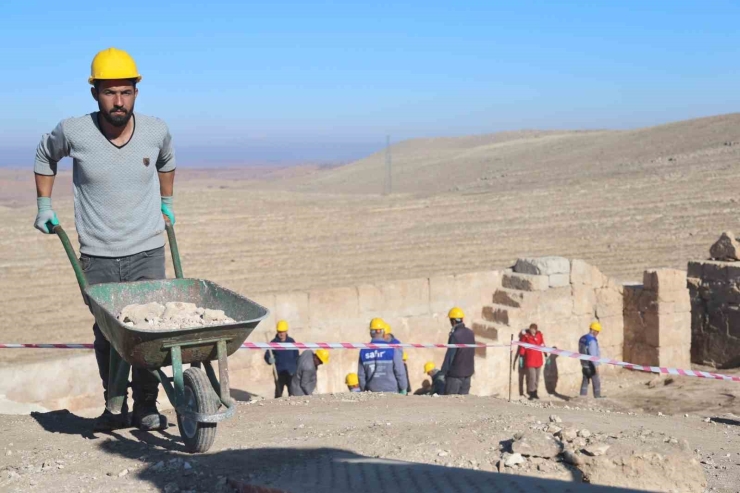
column 171, row 316
column 560, row 451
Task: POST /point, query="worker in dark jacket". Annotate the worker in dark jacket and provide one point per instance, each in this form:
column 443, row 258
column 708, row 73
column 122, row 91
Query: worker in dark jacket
column 438, row 378
column 304, row 380
column 285, row 361
column 459, row 363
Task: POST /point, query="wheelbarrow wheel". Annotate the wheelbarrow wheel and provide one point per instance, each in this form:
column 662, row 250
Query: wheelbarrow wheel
column 199, row 398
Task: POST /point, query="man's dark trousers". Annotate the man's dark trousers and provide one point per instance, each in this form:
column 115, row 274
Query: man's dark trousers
column 283, row 381
column 148, row 265
column 457, row 385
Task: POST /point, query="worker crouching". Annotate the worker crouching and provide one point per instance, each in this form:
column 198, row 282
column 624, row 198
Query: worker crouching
column 305, row 378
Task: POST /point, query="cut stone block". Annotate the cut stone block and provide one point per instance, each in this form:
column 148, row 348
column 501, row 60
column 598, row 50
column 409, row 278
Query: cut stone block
column 664, row 279
column 486, row 330
column 695, row 269
column 584, row 300
column 525, row 282
column 582, row 272
column 499, row 314
column 509, row 297
column 609, row 302
column 543, row 266
column 559, row 280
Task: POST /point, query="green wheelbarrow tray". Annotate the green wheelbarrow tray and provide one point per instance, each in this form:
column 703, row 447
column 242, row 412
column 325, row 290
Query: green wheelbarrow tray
column 151, row 349
column 196, row 395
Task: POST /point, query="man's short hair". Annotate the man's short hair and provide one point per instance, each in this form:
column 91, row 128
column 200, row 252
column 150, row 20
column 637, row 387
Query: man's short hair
column 533, row 326
column 96, row 83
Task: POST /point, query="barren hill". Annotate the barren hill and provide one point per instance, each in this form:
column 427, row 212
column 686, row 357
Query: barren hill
column 531, row 160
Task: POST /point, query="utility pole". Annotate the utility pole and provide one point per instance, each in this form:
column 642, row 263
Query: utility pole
column 388, row 167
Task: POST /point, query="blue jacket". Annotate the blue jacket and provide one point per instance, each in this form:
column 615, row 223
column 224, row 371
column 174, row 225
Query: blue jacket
column 382, row 370
column 285, row 360
column 588, row 344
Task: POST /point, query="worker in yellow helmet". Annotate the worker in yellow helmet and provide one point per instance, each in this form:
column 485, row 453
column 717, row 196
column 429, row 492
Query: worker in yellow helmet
column 381, row 370
column 438, row 378
column 285, row 362
column 305, row 378
column 589, row 344
column 353, row 382
column 123, row 186
column 459, row 364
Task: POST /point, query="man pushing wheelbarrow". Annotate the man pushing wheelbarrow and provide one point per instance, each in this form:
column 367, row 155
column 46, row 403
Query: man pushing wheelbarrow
column 123, row 174
column 124, row 170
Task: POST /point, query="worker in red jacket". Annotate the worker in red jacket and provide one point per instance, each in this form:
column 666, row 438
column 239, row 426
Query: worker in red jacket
column 533, row 359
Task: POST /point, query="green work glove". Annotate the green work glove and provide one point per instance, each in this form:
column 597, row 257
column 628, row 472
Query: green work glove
column 168, row 209
column 46, row 218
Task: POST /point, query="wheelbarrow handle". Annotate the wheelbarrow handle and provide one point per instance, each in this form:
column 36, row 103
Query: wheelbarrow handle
column 72, row 256
column 80, row 274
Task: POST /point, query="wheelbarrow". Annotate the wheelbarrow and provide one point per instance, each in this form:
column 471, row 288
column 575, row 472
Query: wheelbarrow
column 200, row 398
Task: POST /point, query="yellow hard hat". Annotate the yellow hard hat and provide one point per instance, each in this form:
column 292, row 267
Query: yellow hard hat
column 386, row 328
column 595, row 326
column 282, row 326
column 429, row 366
column 456, row 313
column 323, row 355
column 377, row 324
column 352, row 379
column 113, row 64
column 405, row 356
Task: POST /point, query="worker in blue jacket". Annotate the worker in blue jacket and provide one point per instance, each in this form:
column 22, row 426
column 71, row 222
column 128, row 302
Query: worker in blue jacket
column 381, row 370
column 589, row 344
column 285, row 361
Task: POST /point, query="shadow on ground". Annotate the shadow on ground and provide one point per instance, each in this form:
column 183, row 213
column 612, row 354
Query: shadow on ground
column 167, row 467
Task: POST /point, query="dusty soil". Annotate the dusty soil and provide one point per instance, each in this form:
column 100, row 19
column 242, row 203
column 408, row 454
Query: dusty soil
column 266, row 439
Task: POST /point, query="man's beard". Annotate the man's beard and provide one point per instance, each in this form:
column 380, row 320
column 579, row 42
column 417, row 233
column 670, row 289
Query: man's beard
column 117, row 120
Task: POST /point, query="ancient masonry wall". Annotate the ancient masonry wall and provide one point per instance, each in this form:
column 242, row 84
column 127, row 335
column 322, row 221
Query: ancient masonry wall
column 562, row 296
column 714, row 287
column 657, row 318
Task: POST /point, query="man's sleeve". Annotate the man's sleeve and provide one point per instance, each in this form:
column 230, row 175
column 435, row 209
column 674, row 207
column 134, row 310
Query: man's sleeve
column 267, row 356
column 449, row 355
column 593, row 350
column 52, row 148
column 400, row 370
column 166, row 159
column 361, row 374
column 308, row 381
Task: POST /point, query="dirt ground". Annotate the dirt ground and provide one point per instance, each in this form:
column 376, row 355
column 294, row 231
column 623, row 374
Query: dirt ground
column 269, row 438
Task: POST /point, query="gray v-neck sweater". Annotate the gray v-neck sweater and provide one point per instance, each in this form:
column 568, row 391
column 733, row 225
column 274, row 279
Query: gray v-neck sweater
column 116, row 189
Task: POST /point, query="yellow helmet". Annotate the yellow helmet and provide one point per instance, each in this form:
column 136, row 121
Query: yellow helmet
column 595, row 326
column 429, row 366
column 405, row 356
column 456, row 313
column 386, row 328
column 323, row 355
column 352, row 379
column 282, row 326
column 377, row 324
column 113, row 64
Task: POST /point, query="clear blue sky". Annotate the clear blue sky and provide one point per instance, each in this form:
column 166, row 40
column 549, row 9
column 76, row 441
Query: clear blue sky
column 242, row 82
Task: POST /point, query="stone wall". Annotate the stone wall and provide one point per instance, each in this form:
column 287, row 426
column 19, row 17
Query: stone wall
column 562, row 297
column 657, row 315
column 714, row 287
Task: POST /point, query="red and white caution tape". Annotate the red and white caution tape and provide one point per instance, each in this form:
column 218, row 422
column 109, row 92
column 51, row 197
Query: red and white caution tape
column 630, row 366
column 283, row 346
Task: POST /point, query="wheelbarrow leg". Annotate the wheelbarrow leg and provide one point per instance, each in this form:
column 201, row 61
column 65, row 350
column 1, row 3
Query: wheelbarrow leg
column 117, row 382
column 222, row 384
